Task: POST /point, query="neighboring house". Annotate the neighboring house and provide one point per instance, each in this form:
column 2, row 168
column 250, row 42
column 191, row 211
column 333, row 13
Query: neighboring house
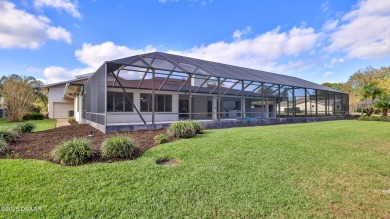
column 311, row 107
column 366, row 103
column 159, row 88
column 61, row 103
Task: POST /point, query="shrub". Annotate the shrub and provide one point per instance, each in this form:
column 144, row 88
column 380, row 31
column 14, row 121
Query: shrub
column 161, row 138
column 385, row 118
column 353, row 116
column 71, row 119
column 25, row 127
column 3, row 146
column 74, row 152
column 119, row 146
column 8, row 134
column 33, row 116
column 197, row 126
column 17, row 94
column 370, row 118
column 182, row 129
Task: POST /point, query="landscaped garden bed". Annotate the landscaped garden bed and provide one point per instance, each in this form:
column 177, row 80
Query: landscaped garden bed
column 38, row 145
column 334, row 169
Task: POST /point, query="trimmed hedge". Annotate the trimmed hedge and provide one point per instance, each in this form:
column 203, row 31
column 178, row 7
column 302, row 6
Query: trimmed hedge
column 33, row 116
column 375, row 118
column 74, row 152
column 119, row 146
column 353, row 116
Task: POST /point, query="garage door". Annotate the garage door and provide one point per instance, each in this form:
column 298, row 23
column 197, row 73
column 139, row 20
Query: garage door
column 61, row 110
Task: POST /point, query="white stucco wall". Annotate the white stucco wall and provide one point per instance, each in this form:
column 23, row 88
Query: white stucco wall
column 133, row 117
column 56, row 94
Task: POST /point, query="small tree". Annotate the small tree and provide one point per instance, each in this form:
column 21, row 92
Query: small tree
column 18, row 95
column 369, row 91
column 383, row 104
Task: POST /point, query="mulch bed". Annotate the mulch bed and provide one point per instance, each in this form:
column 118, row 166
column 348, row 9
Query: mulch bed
column 38, row 145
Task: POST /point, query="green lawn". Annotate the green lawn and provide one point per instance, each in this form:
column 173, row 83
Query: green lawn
column 324, row 169
column 41, row 124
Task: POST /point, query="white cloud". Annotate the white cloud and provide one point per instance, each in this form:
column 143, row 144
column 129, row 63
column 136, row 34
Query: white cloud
column 325, row 7
column 65, row 5
column 330, row 25
column 326, row 74
column 334, row 62
column 365, row 31
column 239, row 33
column 292, row 66
column 59, row 33
column 260, row 52
column 21, row 29
column 55, row 74
column 95, row 55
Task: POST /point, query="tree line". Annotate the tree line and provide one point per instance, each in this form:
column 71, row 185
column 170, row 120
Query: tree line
column 370, row 85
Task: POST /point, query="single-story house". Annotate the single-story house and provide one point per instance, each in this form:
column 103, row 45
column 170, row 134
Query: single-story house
column 159, row 88
column 61, row 105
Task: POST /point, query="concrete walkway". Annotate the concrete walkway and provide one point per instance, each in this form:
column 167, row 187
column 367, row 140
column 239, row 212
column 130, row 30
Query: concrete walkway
column 62, row 122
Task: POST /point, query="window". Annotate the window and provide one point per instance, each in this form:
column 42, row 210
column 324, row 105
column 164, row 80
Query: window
column 163, row 103
column 118, row 102
column 146, row 102
column 255, row 104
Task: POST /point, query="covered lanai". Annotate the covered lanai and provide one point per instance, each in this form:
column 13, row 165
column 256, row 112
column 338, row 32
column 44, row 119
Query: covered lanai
column 153, row 89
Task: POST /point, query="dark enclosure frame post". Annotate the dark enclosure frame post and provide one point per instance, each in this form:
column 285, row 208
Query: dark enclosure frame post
column 128, row 97
column 316, row 102
column 279, row 100
column 190, row 97
column 242, row 100
column 219, row 100
column 153, row 97
column 305, row 102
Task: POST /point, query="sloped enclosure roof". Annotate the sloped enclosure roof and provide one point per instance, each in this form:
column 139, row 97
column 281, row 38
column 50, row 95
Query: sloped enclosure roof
column 177, row 63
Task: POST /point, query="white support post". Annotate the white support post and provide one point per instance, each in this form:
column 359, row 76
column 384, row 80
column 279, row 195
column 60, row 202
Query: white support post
column 274, row 106
column 266, row 115
column 214, row 106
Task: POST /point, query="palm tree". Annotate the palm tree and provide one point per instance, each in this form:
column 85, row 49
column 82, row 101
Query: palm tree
column 369, row 91
column 383, row 103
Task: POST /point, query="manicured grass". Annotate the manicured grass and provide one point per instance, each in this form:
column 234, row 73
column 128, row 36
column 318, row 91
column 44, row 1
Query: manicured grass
column 41, row 124
column 318, row 170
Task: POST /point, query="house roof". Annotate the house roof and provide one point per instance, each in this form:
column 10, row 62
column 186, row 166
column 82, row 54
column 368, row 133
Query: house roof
column 173, row 84
column 77, row 81
column 170, row 62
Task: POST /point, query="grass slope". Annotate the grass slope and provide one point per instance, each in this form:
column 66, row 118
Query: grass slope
column 326, row 169
column 41, row 124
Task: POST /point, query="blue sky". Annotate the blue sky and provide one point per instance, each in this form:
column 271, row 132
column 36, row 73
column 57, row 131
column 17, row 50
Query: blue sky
column 320, row 41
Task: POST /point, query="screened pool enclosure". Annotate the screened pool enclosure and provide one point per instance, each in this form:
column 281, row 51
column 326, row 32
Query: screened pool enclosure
column 158, row 88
